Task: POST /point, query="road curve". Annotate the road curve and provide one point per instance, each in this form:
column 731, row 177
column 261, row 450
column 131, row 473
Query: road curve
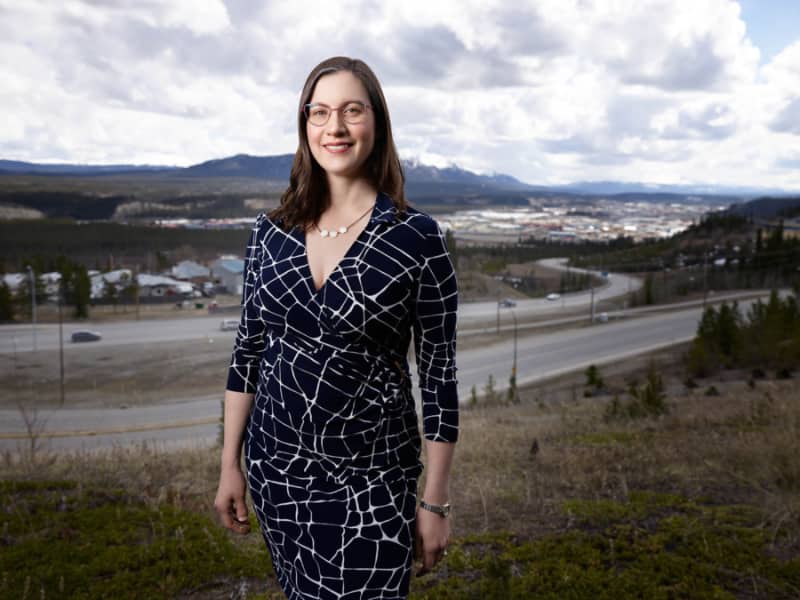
column 195, row 421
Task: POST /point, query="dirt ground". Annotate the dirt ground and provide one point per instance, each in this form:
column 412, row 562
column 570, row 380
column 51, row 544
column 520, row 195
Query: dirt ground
column 132, row 375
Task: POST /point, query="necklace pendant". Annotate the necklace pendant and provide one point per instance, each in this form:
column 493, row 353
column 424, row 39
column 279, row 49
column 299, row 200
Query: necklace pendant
column 342, row 229
column 323, row 233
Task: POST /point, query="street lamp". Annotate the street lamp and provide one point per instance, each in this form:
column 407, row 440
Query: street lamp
column 33, row 305
column 510, row 306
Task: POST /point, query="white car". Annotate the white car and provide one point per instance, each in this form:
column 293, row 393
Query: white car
column 553, row 297
column 229, row 324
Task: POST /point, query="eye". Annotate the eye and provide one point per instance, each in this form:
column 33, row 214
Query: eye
column 353, row 109
column 318, row 111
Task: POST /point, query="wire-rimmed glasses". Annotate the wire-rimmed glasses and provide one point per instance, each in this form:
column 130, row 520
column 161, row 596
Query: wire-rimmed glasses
column 353, row 112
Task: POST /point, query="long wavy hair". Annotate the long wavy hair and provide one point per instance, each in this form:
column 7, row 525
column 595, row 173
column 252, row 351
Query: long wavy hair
column 307, row 196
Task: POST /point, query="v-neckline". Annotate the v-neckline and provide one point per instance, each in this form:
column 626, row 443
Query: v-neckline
column 310, row 274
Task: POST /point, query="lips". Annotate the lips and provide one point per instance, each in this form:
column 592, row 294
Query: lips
column 337, row 148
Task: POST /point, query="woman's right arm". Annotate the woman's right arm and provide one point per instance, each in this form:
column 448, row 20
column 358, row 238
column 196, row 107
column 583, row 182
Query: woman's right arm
column 240, row 391
column 230, row 501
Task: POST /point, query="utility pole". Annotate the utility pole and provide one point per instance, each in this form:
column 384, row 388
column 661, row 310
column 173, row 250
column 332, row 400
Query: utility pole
column 705, row 279
column 136, row 289
column 61, row 342
column 514, row 363
column 32, row 276
column 498, row 315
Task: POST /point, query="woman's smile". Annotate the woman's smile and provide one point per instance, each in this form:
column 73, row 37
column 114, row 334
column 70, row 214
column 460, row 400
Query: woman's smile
column 337, row 148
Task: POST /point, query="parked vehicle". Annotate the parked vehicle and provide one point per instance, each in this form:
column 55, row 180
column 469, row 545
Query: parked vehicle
column 553, row 297
column 229, row 324
column 507, row 303
column 84, row 335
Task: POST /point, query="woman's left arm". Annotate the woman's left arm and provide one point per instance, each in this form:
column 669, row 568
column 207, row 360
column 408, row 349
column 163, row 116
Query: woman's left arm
column 433, row 530
column 435, row 348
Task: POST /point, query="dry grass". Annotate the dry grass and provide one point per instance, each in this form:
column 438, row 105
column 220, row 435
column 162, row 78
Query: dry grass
column 519, row 467
column 742, row 446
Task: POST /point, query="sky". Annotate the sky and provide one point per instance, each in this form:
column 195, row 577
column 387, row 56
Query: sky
column 549, row 91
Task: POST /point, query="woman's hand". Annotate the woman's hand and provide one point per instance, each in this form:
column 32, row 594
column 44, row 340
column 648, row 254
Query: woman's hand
column 230, row 502
column 432, row 535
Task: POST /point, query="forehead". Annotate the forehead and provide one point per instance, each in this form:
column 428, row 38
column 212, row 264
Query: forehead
column 338, row 87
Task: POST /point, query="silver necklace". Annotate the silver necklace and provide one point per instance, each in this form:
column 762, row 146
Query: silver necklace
column 332, row 233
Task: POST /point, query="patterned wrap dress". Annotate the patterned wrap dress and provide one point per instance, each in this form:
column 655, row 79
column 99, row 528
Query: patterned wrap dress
column 332, row 444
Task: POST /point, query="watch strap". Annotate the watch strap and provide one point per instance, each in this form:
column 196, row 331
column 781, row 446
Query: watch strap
column 442, row 510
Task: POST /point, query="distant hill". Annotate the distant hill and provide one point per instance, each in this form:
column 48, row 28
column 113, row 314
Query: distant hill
column 278, row 168
column 419, row 177
column 273, row 168
column 16, row 167
column 237, row 185
column 243, row 165
column 767, row 208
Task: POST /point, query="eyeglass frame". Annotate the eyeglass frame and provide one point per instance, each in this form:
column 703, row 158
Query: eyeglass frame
column 307, row 107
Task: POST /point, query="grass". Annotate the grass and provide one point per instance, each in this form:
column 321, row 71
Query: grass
column 702, row 501
column 66, row 540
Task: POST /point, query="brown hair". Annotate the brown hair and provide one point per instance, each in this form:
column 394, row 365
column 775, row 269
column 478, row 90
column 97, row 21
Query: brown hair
column 306, row 198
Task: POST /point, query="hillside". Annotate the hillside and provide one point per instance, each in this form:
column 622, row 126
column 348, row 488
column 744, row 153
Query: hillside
column 236, row 186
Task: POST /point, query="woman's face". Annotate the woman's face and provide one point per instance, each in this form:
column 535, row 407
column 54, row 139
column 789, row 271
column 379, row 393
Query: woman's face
column 341, row 148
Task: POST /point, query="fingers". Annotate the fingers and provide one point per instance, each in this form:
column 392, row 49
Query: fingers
column 430, row 559
column 233, row 515
column 427, row 558
column 241, row 520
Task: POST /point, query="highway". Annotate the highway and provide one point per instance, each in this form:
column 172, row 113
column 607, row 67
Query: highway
column 186, row 422
column 19, row 337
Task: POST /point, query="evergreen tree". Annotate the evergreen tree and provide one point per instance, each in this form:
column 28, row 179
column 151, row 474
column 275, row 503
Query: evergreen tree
column 82, row 289
column 22, row 297
column 6, row 303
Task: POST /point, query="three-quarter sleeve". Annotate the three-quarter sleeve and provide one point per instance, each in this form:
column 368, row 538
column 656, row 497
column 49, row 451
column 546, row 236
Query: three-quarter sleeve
column 435, row 339
column 250, row 342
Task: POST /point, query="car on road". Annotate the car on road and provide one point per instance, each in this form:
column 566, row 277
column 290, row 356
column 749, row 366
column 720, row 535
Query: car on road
column 229, row 324
column 553, row 297
column 84, row 335
column 507, row 303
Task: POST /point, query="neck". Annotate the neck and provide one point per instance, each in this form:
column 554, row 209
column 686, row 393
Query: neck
column 349, row 195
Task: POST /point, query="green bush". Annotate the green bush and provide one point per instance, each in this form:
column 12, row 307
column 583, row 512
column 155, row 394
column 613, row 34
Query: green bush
column 647, row 400
column 767, row 338
column 63, row 540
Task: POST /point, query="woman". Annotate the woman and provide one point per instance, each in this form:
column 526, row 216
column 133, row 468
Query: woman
column 319, row 389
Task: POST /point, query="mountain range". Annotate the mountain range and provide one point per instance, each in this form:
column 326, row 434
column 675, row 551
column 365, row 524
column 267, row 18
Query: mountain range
column 420, row 178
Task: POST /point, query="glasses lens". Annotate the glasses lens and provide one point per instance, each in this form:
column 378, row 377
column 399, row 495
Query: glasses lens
column 317, row 115
column 354, row 112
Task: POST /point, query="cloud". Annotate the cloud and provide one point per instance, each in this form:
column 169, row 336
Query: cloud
column 545, row 90
column 788, row 120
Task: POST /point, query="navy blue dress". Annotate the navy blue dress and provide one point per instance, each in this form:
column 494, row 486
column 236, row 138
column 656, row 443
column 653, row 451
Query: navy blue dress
column 332, row 445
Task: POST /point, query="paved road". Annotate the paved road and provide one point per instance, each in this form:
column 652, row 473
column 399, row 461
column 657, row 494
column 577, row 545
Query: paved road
column 540, row 356
column 473, row 313
column 19, row 338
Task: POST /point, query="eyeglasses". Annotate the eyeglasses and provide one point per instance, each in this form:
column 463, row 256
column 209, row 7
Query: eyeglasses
column 354, row 112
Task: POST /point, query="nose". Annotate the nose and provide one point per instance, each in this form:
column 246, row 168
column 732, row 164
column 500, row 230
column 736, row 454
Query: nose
column 335, row 122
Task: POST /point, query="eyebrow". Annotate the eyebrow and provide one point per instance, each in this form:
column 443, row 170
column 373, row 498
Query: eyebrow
column 345, row 102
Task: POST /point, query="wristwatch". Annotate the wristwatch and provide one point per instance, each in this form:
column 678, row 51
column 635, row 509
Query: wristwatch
column 442, row 510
